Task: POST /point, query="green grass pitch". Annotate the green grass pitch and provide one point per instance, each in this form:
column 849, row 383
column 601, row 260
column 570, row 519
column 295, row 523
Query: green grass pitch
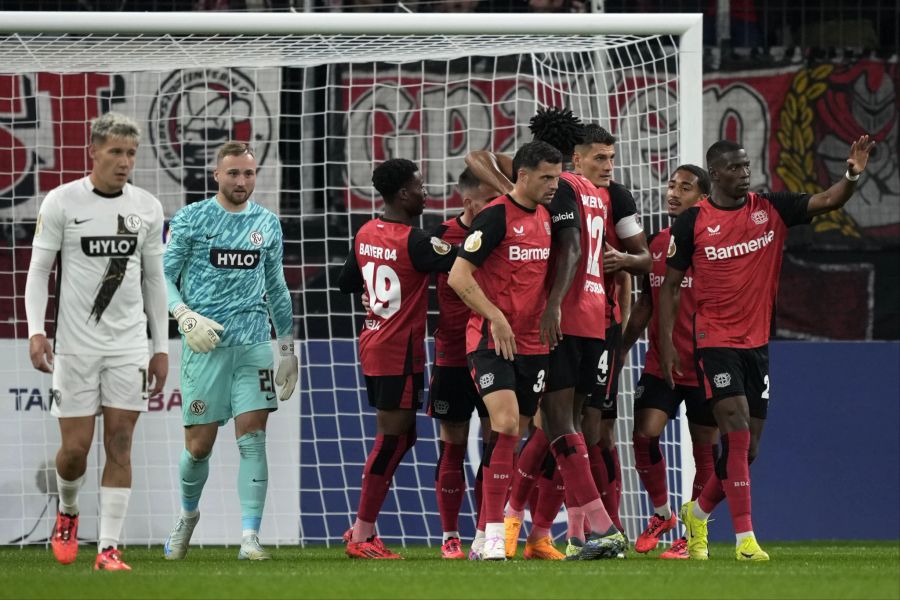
column 841, row 570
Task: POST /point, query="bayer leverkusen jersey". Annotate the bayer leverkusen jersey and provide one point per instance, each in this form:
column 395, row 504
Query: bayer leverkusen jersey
column 682, row 334
column 580, row 204
column 625, row 223
column 736, row 255
column 511, row 246
column 453, row 316
column 392, row 261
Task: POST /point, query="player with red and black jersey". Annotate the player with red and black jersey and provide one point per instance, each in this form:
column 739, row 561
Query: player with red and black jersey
column 625, row 254
column 452, row 395
column 734, row 243
column 654, row 402
column 500, row 274
column 392, row 261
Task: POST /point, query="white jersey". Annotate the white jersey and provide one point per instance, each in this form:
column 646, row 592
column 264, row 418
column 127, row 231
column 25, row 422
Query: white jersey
column 101, row 240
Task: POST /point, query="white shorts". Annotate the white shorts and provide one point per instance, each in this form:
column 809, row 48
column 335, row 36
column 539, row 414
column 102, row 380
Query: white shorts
column 82, row 384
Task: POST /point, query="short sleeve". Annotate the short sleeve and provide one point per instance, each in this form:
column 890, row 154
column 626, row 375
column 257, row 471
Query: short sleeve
column 564, row 211
column 429, row 253
column 624, row 212
column 680, row 254
column 51, row 221
column 487, row 231
column 791, row 206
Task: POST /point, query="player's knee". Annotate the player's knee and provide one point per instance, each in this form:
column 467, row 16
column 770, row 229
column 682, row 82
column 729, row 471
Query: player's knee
column 252, row 445
column 72, row 454
column 199, row 449
column 118, row 447
column 455, row 432
column 507, row 423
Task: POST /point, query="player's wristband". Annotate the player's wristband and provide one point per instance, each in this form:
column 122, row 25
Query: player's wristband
column 179, row 310
column 850, row 177
column 285, row 346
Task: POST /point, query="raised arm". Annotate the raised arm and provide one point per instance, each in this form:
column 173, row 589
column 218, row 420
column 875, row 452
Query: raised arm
column 838, row 194
column 491, row 169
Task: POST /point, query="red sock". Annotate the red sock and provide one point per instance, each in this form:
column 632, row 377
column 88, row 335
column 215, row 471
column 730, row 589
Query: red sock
column 603, row 468
column 386, row 454
column 736, row 450
column 705, row 466
column 569, row 451
column 528, row 469
column 613, row 508
column 575, row 514
column 450, row 484
column 498, row 467
column 552, row 492
column 651, row 467
column 713, row 493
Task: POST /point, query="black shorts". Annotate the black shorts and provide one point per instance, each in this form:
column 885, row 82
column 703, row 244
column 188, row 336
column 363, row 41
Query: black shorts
column 452, row 395
column 727, row 372
column 525, row 376
column 604, row 396
column 653, row 392
column 390, row 392
column 574, row 364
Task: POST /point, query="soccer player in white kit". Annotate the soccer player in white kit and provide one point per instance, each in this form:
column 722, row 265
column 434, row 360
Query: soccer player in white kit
column 110, row 287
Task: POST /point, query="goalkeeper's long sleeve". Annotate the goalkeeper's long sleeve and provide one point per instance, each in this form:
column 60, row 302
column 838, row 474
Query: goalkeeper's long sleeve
column 281, row 309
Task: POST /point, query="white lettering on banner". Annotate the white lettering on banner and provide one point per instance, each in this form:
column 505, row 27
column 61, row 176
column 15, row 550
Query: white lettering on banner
column 156, row 451
column 741, row 249
column 525, row 254
column 377, row 252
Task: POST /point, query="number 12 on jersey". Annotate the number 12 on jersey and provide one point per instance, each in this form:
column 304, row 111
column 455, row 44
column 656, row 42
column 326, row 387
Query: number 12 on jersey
column 595, row 244
column 383, row 286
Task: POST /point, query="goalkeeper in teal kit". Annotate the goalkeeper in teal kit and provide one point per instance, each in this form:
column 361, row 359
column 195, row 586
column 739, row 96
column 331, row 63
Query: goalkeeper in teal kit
column 223, row 267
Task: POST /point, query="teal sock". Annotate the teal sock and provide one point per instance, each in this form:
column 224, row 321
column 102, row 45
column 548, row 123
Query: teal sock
column 253, row 478
column 194, row 473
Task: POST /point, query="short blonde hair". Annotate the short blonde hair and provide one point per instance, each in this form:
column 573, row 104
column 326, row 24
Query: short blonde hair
column 233, row 148
column 114, row 124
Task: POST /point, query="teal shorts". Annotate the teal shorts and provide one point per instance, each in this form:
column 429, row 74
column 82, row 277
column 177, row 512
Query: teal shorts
column 229, row 381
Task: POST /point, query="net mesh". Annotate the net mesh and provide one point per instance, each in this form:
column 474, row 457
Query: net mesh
column 321, row 113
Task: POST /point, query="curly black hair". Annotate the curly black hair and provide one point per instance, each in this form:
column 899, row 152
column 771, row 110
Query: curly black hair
column 558, row 127
column 391, row 175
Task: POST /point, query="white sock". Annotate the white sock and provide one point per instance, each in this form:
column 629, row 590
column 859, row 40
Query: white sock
column 190, row 514
column 248, row 532
column 113, row 507
column 450, row 534
column 699, row 512
column 495, row 530
column 740, row 536
column 664, row 511
column 479, row 534
column 68, row 494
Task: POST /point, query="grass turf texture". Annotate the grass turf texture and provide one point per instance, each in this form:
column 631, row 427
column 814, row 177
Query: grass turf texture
column 797, row 570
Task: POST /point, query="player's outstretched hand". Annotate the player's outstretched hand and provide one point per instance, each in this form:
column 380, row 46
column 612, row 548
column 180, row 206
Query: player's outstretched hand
column 157, row 372
column 199, row 332
column 551, row 328
column 41, row 351
column 859, row 154
column 504, row 338
column 288, row 368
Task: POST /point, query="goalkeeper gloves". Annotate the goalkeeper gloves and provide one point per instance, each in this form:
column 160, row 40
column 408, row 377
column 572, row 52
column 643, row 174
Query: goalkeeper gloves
column 199, row 332
column 288, row 367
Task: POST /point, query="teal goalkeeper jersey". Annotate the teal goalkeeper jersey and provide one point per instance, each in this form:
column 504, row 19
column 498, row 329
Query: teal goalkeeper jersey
column 228, row 267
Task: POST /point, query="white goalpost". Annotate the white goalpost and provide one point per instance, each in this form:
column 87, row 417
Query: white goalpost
column 324, row 98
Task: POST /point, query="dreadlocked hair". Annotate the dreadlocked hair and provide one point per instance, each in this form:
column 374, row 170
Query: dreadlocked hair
column 559, row 128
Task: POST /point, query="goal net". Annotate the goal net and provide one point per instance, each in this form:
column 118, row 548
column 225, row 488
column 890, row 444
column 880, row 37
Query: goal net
column 323, row 98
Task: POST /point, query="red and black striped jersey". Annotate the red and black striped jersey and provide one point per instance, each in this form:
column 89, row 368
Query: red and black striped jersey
column 453, row 315
column 511, row 246
column 736, row 256
column 580, row 204
column 682, row 334
column 392, row 261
